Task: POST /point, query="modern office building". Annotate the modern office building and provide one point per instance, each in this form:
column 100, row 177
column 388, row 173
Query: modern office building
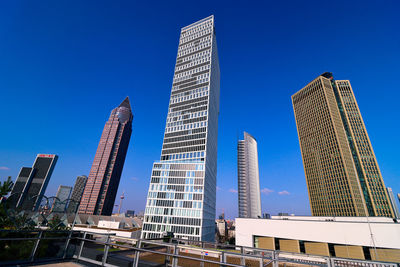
column 248, row 178
column 77, row 193
column 393, row 202
column 342, row 173
column 21, row 184
column 62, row 198
column 31, row 184
column 182, row 191
column 102, row 185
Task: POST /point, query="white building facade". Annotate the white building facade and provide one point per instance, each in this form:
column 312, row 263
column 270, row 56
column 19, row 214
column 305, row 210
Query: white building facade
column 182, row 191
column 248, row 178
column 364, row 238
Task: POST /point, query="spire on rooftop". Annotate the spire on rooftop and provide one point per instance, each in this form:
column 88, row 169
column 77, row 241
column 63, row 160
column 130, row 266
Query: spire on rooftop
column 125, row 103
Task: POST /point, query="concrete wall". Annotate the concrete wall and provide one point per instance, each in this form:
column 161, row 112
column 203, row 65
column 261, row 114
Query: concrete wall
column 386, row 233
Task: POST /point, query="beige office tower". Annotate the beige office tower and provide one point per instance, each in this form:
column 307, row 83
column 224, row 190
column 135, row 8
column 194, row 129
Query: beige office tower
column 342, row 174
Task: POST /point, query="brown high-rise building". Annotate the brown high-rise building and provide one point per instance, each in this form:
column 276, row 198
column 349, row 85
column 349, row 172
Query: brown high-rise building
column 343, row 177
column 102, row 185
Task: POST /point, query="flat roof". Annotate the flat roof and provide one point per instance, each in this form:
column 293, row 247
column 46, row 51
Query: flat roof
column 329, row 218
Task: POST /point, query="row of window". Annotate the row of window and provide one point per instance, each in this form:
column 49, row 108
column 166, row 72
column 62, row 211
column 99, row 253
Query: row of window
column 183, row 77
column 181, row 96
column 203, row 41
column 167, row 166
column 171, row 220
column 192, row 213
column 195, row 34
column 193, row 50
column 173, row 121
column 191, row 95
column 186, row 127
column 176, row 204
column 190, row 73
column 197, row 27
column 185, row 144
column 184, row 138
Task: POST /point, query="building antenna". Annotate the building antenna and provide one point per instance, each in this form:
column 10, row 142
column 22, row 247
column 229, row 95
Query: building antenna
column 120, row 202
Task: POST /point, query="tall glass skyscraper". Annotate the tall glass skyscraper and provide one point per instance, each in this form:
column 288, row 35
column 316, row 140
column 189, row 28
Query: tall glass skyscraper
column 248, row 178
column 102, row 185
column 182, row 191
column 342, row 173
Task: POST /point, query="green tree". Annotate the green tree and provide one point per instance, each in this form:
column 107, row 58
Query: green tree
column 9, row 218
column 5, row 188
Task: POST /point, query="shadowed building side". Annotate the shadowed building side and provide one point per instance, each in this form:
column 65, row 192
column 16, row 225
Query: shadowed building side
column 20, row 187
column 77, row 193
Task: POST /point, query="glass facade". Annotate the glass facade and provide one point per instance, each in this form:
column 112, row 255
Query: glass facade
column 342, row 173
column 182, row 191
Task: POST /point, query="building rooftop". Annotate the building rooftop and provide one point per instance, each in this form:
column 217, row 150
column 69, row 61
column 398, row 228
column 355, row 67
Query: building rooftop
column 334, row 219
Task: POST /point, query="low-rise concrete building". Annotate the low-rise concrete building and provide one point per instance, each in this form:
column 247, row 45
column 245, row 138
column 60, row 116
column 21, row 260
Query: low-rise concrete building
column 373, row 238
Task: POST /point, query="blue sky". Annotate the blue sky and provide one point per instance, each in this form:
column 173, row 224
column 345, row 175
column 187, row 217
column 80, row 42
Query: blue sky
column 64, row 65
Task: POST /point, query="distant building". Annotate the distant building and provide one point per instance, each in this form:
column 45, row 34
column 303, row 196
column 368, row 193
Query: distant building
column 231, row 233
column 31, row 183
column 120, row 226
column 266, row 216
column 63, row 194
column 77, row 193
column 283, row 214
column 102, row 186
column 342, row 173
column 130, row 213
column 373, row 238
column 222, row 227
column 248, row 178
column 393, row 202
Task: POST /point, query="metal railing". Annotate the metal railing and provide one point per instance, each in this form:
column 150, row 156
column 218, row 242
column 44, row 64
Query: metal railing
column 110, row 250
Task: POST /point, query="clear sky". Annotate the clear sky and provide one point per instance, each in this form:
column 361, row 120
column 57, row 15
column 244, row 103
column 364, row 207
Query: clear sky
column 64, row 65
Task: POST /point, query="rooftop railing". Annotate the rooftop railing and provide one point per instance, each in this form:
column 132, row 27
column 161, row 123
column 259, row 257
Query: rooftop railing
column 32, row 247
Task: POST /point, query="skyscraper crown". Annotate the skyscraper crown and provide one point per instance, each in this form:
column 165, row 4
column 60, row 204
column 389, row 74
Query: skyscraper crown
column 126, row 103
